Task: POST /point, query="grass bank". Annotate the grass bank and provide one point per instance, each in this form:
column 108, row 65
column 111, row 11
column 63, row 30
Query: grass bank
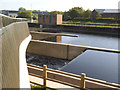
column 92, row 25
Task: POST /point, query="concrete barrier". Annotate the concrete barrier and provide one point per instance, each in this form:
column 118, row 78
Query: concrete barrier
column 41, row 35
column 47, row 49
column 1, row 24
column 60, row 50
column 14, row 39
column 74, row 51
column 0, row 61
column 53, row 49
column 6, row 20
column 35, row 29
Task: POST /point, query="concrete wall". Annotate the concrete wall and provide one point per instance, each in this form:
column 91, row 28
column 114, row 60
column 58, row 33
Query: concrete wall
column 41, row 35
column 1, row 24
column 48, row 49
column 0, row 61
column 5, row 20
column 15, row 38
column 58, row 50
column 35, row 29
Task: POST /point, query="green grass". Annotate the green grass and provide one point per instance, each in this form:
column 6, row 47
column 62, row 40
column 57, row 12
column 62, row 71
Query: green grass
column 91, row 25
column 35, row 87
column 102, row 23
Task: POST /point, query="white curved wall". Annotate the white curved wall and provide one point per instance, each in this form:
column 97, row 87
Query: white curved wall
column 15, row 38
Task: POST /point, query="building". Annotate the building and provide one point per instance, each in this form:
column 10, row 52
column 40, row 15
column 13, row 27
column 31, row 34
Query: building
column 111, row 13
column 14, row 12
column 107, row 13
column 50, row 19
column 10, row 12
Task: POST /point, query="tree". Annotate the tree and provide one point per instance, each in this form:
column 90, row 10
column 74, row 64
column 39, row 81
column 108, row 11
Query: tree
column 11, row 15
column 56, row 12
column 25, row 14
column 66, row 16
column 35, row 17
column 22, row 9
column 87, row 14
column 76, row 12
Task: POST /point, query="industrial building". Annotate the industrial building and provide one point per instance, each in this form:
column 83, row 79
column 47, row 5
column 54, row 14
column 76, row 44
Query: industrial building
column 50, row 19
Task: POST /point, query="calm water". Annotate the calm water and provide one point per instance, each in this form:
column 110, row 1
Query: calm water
column 91, row 40
column 96, row 64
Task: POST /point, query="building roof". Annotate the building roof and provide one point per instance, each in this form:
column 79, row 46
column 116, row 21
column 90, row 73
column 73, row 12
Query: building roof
column 101, row 11
column 111, row 11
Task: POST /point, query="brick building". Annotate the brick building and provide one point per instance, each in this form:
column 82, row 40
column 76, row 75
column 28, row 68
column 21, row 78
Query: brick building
column 107, row 13
column 50, row 19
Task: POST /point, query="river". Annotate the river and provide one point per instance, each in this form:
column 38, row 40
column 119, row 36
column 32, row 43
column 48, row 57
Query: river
column 101, row 41
column 96, row 64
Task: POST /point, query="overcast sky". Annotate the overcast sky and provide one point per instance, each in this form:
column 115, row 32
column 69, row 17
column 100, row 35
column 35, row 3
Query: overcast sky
column 60, row 5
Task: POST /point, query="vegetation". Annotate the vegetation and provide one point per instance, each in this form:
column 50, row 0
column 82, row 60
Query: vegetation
column 85, row 25
column 56, row 12
column 22, row 9
column 34, row 87
column 11, row 16
column 76, row 13
column 86, row 14
column 25, row 14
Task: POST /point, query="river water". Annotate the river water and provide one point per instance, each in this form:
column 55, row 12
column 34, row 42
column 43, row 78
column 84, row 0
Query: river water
column 96, row 64
column 93, row 40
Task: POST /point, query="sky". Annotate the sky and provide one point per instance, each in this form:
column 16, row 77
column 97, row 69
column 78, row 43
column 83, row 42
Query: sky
column 59, row 5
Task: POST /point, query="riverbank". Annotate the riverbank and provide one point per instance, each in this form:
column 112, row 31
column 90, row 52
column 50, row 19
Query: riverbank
column 83, row 29
column 78, row 29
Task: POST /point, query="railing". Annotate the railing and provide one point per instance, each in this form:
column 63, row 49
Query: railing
column 84, row 82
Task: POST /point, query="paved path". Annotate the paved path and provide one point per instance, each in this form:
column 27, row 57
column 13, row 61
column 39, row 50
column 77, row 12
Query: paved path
column 51, row 84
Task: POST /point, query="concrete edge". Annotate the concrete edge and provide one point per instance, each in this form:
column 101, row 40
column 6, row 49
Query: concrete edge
column 87, row 47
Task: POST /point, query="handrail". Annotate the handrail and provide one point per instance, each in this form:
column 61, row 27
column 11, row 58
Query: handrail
column 76, row 76
column 61, row 72
column 55, row 81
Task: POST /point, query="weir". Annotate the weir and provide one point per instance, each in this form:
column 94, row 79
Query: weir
column 14, row 39
column 75, row 54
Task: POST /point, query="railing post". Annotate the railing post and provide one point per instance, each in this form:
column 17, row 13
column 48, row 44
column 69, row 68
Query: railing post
column 44, row 75
column 82, row 83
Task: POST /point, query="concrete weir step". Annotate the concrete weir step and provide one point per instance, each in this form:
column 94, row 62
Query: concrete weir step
column 51, row 84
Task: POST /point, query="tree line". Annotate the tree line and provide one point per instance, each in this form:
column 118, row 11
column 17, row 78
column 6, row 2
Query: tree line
column 71, row 14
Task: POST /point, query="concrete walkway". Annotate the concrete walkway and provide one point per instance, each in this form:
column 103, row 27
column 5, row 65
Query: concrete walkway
column 51, row 84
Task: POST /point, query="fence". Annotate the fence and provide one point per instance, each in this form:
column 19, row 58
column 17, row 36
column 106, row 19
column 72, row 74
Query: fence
column 69, row 79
